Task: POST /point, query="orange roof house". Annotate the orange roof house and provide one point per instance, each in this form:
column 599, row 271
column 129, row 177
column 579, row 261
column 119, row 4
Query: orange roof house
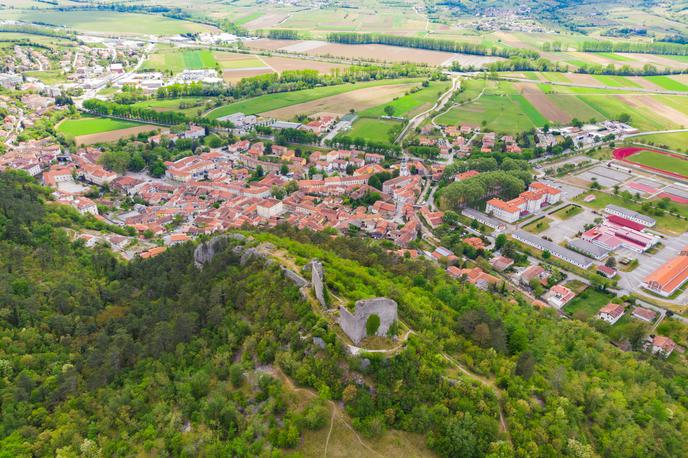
column 669, row 277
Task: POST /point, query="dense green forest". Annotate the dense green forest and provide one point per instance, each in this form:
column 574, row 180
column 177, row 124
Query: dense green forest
column 105, row 358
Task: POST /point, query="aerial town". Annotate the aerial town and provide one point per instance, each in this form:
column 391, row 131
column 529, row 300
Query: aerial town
column 545, row 177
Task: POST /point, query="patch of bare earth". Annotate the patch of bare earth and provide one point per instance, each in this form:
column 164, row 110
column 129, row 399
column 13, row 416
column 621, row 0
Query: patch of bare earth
column 266, row 21
column 654, row 105
column 281, row 64
column 268, row 44
column 580, row 78
column 544, row 104
column 340, row 104
column 235, row 75
column 645, row 84
column 113, row 135
column 660, row 61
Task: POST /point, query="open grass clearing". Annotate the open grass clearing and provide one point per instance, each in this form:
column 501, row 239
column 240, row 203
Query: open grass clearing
column 677, row 141
column 567, row 212
column 587, row 304
column 377, row 130
column 668, row 83
column 71, row 128
column 412, row 104
column 174, row 60
column 268, row 102
column 538, row 225
column 340, row 104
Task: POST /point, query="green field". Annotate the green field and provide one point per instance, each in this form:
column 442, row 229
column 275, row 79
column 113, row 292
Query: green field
column 616, row 57
column 677, row 141
column 667, row 83
column 108, row 21
column 643, row 118
column 269, row 102
column 661, row 161
column 615, row 81
column 567, row 212
column 71, row 128
column 48, row 76
column 555, row 77
column 175, row 61
column 372, row 129
column 412, row 104
column 501, row 108
column 587, row 304
column 192, row 104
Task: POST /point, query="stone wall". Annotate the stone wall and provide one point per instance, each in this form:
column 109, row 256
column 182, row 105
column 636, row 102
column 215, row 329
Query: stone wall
column 354, row 324
column 317, row 280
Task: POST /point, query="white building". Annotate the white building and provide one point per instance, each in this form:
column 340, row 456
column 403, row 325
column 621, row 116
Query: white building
column 270, row 208
column 611, row 313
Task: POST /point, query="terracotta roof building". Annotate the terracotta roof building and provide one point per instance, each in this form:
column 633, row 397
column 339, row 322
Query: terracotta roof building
column 669, row 277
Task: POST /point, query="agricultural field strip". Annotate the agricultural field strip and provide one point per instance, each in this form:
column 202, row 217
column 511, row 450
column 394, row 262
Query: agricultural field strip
column 270, row 102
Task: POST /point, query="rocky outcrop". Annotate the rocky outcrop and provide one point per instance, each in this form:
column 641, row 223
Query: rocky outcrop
column 206, row 251
column 354, row 324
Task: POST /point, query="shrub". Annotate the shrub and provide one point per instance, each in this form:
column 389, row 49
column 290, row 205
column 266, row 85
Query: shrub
column 372, row 324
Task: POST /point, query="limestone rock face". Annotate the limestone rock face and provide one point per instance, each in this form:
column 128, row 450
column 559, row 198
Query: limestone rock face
column 354, row 324
column 206, row 251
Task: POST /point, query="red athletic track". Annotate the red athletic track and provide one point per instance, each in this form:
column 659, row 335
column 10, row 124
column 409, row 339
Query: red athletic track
column 624, row 154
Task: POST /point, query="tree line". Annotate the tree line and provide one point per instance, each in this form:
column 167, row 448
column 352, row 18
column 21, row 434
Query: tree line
column 657, row 47
column 428, row 43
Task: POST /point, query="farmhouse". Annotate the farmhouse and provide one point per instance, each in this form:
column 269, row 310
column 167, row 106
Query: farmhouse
column 662, row 346
column 558, row 296
column 670, row 276
column 611, row 313
column 644, row 314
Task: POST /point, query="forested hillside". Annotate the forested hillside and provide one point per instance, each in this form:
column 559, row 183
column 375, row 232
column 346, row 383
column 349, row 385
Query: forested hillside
column 105, row 358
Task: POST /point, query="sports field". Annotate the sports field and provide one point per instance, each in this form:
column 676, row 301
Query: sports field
column 659, row 161
column 270, row 102
column 71, row 128
column 175, row 60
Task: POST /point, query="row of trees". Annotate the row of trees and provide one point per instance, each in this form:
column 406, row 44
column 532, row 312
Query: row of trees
column 657, row 47
column 105, row 108
column 428, row 43
column 545, row 65
column 294, row 80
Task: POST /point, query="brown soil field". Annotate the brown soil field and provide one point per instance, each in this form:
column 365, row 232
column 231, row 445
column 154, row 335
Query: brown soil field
column 266, row 21
column 281, row 64
column 645, row 84
column 656, row 106
column 382, row 53
column 581, row 78
column 683, row 78
column 659, row 61
column 232, row 76
column 268, row 44
column 340, row 104
column 513, row 41
column 544, row 104
column 113, row 135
